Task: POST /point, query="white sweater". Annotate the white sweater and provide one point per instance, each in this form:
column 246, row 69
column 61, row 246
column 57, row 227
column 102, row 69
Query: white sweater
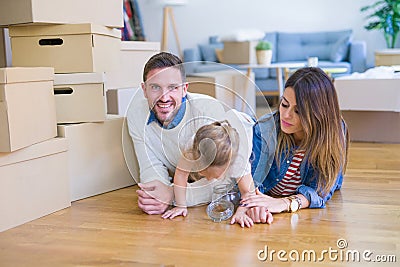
column 158, row 150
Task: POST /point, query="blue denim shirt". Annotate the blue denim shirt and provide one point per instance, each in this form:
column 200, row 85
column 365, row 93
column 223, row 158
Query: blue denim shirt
column 265, row 168
column 177, row 119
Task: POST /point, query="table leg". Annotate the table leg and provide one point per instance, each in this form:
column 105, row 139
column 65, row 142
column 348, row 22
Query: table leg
column 246, row 88
column 279, row 79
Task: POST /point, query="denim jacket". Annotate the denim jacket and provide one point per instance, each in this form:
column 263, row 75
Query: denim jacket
column 265, row 168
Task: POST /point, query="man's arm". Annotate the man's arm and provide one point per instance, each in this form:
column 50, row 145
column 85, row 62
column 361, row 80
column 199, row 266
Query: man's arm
column 154, row 197
column 155, row 193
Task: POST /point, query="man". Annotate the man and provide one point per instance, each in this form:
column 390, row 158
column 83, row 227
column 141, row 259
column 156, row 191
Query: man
column 161, row 118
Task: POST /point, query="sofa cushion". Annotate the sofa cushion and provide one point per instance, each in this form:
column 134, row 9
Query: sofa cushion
column 207, row 51
column 300, row 46
column 271, row 37
column 209, row 67
column 340, row 49
column 214, row 39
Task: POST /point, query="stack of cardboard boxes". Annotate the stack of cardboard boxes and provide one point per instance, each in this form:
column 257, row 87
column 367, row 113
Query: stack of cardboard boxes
column 57, row 143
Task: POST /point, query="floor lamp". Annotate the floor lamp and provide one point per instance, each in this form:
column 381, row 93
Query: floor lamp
column 168, row 14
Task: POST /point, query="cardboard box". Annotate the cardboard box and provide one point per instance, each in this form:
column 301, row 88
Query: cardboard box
column 373, row 126
column 368, row 94
column 239, row 52
column 69, row 48
column 233, row 88
column 371, row 108
column 387, row 57
column 96, row 157
column 27, row 107
column 33, row 182
column 102, row 12
column 132, row 58
column 5, row 49
column 80, row 97
column 118, row 100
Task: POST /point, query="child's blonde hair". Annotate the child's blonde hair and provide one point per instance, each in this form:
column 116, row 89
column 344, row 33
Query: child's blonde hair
column 214, row 144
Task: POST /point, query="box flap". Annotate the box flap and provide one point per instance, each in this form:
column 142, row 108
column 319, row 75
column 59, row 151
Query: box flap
column 28, row 74
column 42, row 149
column 62, row 29
column 140, row 46
column 79, row 78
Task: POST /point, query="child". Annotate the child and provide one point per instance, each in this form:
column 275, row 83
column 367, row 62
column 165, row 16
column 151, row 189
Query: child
column 217, row 153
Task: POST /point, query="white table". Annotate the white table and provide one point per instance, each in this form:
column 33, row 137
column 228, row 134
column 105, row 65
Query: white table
column 279, row 71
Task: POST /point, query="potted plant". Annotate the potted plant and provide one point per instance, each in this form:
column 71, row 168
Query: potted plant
column 264, row 52
column 387, row 18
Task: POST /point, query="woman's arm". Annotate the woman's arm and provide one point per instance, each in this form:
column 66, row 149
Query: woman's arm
column 272, row 204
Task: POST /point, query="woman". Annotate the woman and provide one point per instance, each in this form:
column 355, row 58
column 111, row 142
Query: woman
column 311, row 148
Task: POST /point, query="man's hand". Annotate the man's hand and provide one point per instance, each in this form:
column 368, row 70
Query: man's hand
column 154, row 197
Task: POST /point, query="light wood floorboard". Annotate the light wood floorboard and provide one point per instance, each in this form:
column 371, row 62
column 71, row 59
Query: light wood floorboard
column 110, row 230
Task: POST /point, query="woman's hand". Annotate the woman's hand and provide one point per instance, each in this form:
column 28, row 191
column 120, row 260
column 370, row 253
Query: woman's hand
column 273, row 205
column 240, row 217
column 177, row 211
column 260, row 215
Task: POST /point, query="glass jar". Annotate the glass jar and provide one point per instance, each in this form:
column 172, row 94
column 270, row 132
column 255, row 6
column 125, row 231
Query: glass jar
column 221, row 207
column 234, row 195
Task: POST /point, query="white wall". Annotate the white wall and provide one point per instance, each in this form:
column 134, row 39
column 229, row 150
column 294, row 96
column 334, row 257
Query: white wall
column 199, row 19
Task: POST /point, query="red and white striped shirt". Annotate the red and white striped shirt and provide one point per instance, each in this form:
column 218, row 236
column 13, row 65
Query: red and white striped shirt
column 288, row 185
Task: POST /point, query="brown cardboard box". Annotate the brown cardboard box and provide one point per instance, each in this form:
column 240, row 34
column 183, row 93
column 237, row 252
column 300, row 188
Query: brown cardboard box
column 233, row 88
column 27, row 107
column 80, row 97
column 371, row 108
column 33, row 182
column 96, row 157
column 118, row 100
column 132, row 58
column 5, row 49
column 373, row 126
column 387, row 57
column 368, row 94
column 69, row 48
column 239, row 52
column 102, row 12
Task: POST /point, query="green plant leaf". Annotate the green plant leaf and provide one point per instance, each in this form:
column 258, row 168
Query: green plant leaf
column 386, row 17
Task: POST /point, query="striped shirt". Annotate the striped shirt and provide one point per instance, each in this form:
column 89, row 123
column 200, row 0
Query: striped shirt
column 288, row 185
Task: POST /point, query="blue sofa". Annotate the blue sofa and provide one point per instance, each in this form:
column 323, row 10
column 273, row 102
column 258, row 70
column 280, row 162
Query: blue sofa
column 334, row 49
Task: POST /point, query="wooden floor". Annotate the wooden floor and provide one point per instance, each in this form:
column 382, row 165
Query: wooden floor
column 109, row 230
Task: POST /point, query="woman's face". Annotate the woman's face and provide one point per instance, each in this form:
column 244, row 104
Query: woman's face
column 289, row 117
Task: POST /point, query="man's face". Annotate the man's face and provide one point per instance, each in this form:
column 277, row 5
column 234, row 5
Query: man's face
column 164, row 90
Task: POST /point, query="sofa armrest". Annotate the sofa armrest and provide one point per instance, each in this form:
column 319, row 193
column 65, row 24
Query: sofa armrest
column 358, row 56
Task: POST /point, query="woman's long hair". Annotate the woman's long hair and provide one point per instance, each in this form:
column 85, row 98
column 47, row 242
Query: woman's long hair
column 325, row 140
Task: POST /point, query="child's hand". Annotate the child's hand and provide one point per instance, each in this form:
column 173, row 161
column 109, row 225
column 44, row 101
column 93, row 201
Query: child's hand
column 241, row 218
column 172, row 213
